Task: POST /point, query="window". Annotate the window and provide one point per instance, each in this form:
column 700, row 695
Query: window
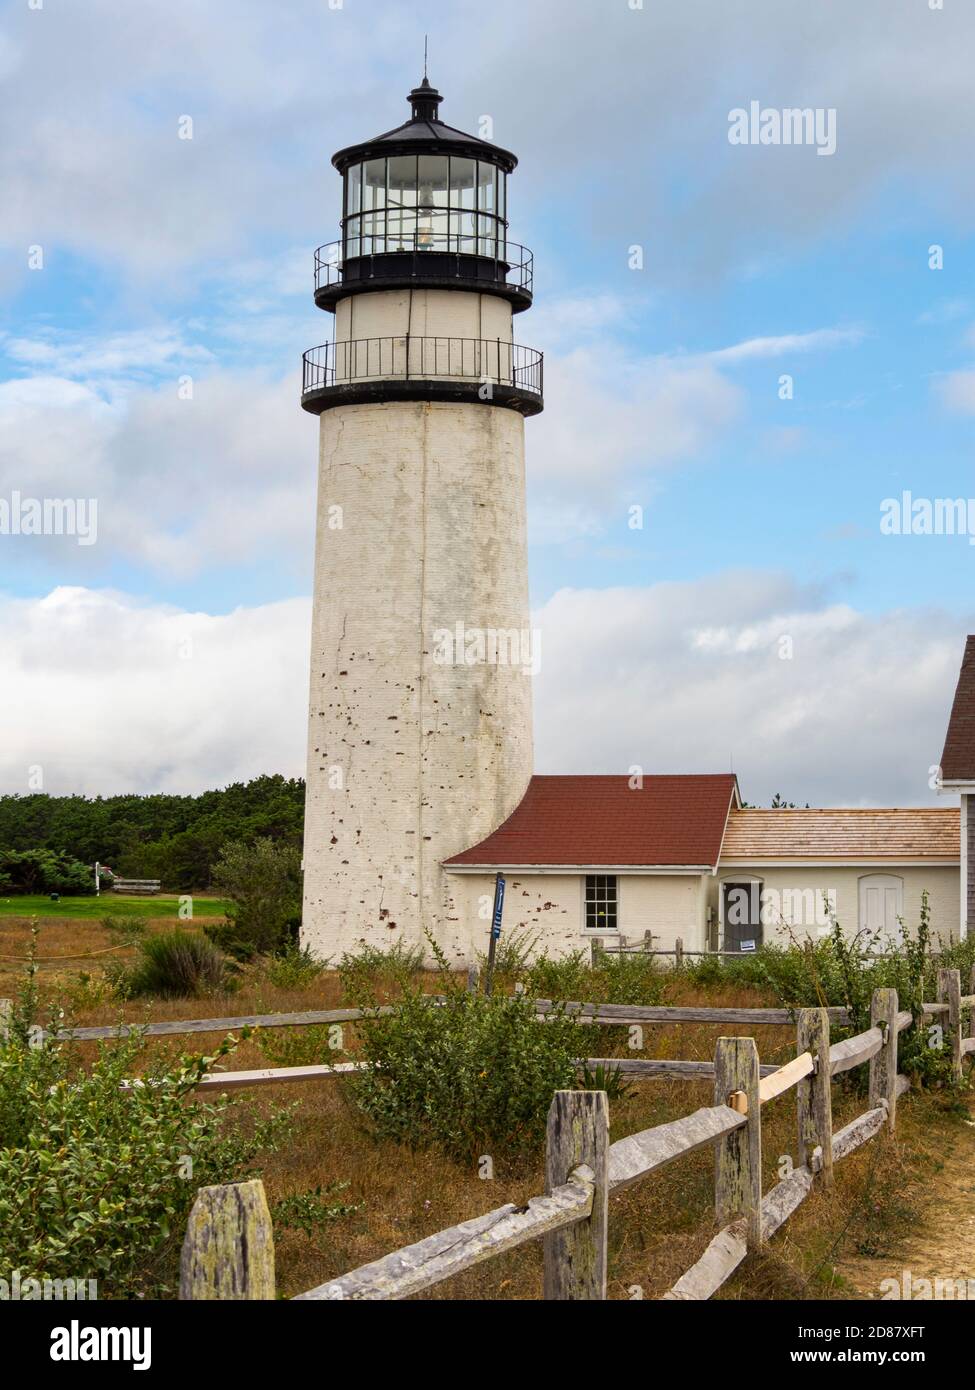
column 601, row 902
column 424, row 203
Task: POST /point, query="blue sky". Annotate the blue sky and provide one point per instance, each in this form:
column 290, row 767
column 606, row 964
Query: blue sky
column 168, row 258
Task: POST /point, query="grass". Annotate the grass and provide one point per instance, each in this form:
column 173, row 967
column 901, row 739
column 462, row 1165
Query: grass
column 107, row 905
column 658, row 1228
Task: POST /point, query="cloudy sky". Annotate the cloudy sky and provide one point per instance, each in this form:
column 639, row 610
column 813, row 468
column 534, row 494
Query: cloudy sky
column 156, row 298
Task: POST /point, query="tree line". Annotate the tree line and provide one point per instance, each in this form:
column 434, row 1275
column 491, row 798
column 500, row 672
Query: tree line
column 173, row 838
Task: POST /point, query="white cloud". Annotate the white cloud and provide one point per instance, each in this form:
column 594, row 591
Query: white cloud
column 958, row 392
column 182, row 485
column 108, row 695
column 687, row 677
column 104, row 693
column 787, row 344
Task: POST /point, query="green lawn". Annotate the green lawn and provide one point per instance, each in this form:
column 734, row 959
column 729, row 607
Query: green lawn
column 108, row 905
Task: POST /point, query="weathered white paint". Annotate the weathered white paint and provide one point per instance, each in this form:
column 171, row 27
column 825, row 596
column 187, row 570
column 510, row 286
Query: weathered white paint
column 795, row 905
column 421, row 525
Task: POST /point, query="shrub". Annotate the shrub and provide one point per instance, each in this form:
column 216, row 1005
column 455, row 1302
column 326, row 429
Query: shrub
column 45, row 871
column 309, row 1211
column 173, row 965
column 294, row 967
column 97, row 1182
column 474, row 1074
column 263, row 883
column 371, row 969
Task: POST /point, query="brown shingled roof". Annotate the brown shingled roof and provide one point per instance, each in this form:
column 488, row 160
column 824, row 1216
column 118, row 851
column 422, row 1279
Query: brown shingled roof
column 931, row 833
column 602, row 821
column 958, row 758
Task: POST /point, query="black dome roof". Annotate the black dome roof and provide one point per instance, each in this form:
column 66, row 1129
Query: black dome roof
column 425, row 133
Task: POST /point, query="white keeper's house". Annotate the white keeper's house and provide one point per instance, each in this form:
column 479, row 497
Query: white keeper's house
column 420, row 784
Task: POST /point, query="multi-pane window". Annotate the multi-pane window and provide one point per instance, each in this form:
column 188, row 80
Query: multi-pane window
column 427, row 202
column 601, row 902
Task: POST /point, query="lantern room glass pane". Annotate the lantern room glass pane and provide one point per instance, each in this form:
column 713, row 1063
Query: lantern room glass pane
column 463, row 181
column 373, row 184
column 487, row 238
column 432, row 224
column 502, row 195
column 353, row 190
column 402, row 181
column 352, row 237
column 463, row 233
column 486, row 186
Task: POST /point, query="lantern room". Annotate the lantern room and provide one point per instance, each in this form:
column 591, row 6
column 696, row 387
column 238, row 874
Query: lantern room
column 424, row 204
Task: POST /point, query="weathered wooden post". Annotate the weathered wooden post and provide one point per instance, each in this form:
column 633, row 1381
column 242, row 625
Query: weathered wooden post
column 814, row 1097
column 578, row 1134
column 648, row 946
column 883, row 1064
column 597, row 946
column 738, row 1156
column 6, row 1009
column 473, row 977
column 679, row 953
column 228, row 1251
column 949, row 992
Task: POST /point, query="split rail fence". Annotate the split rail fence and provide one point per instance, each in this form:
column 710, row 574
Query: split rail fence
column 228, row 1252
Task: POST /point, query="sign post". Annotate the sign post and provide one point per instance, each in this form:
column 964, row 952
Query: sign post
column 495, row 930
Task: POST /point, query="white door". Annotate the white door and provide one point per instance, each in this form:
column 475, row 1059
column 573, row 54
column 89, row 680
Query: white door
column 881, row 905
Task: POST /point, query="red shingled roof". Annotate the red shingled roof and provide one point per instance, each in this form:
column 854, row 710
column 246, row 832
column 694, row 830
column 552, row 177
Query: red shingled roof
column 602, row 821
column 958, row 758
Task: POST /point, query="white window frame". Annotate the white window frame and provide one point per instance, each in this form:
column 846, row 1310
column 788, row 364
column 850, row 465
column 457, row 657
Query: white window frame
column 588, row 931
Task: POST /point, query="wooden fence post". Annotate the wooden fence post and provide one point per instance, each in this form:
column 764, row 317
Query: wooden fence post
column 949, row 992
column 473, row 977
column 679, row 953
column 228, row 1251
column 6, row 1009
column 578, row 1133
column 814, row 1097
column 648, row 946
column 883, row 1064
column 597, row 947
column 738, row 1156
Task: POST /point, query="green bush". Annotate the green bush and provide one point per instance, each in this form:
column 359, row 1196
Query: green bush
column 97, row 1182
column 173, row 965
column 294, row 967
column 263, row 883
column 369, row 969
column 45, row 871
column 471, row 1075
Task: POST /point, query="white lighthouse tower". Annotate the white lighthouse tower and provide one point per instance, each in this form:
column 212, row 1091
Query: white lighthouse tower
column 418, row 745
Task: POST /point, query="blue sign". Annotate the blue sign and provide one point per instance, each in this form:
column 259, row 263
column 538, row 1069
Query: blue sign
column 498, row 907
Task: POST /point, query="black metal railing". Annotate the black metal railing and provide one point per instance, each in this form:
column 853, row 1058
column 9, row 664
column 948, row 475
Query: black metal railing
column 476, row 360
column 393, row 256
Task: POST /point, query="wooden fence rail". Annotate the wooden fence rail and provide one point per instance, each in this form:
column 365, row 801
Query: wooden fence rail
column 582, row 1168
column 608, row 1015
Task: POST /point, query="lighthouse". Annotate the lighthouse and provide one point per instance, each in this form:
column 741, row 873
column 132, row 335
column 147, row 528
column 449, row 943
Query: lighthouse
column 420, row 711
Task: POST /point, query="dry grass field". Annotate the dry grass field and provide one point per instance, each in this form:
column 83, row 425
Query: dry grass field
column 657, row 1228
